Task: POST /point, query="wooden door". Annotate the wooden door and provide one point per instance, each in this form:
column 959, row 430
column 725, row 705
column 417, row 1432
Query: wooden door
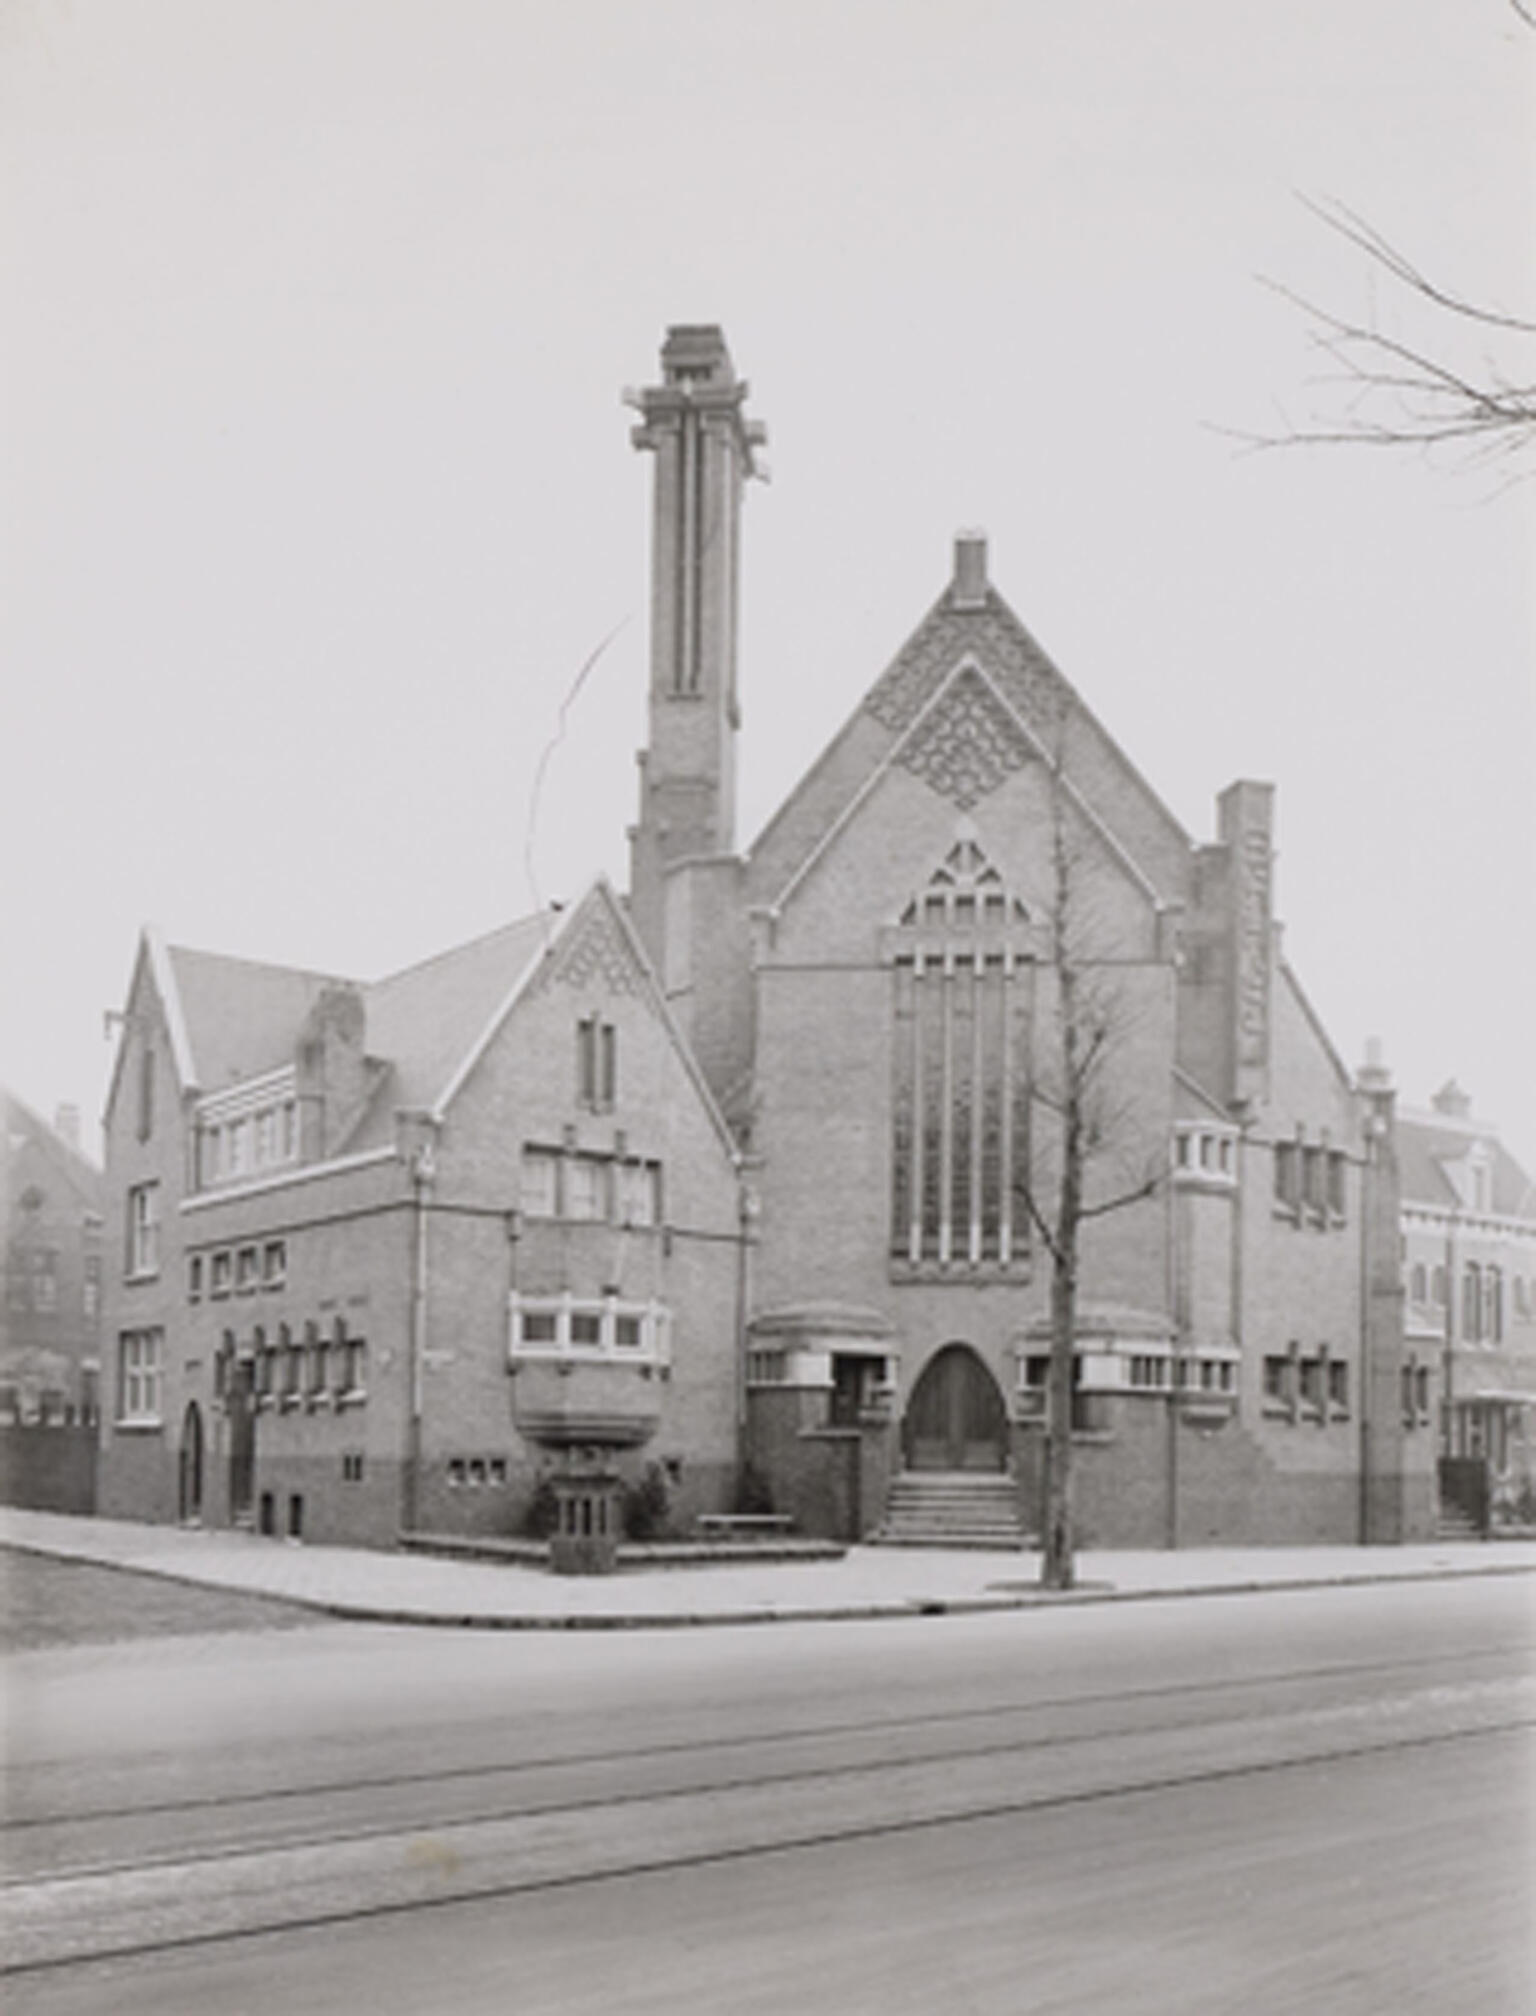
column 956, row 1419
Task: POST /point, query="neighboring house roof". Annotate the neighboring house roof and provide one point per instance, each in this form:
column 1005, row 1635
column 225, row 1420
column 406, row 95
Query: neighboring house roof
column 1425, row 1150
column 27, row 1129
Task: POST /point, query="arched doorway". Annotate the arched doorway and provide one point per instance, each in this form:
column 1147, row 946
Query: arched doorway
column 190, row 1471
column 956, row 1418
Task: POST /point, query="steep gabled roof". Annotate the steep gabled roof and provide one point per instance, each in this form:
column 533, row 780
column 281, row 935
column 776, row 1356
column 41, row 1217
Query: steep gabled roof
column 976, row 627
column 428, row 1020
column 27, row 1132
column 242, row 1017
column 1426, row 1147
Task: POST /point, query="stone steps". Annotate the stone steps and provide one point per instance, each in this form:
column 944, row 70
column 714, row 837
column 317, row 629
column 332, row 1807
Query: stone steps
column 1454, row 1524
column 952, row 1509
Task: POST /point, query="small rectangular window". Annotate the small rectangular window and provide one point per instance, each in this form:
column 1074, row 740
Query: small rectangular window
column 1338, row 1383
column 274, row 1263
column 586, row 1328
column 541, row 1183
column 627, row 1333
column 638, row 1188
column 540, row 1326
column 1287, row 1175
column 195, row 1277
column 585, row 1188
column 245, row 1270
column 1337, row 1179
column 496, row 1470
column 220, row 1273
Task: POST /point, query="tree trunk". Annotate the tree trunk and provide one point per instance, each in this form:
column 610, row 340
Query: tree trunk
column 1057, row 1570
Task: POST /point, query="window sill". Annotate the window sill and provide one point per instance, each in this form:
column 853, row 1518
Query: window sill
column 355, row 1396
column 137, row 1280
column 137, row 1427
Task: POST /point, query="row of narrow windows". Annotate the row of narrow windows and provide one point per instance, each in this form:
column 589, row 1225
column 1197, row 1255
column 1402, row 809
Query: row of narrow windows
column 960, row 1137
column 1310, row 1182
column 1482, row 1310
column 314, row 1367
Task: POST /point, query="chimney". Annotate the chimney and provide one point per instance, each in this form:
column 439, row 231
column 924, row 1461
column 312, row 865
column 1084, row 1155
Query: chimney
column 66, row 1124
column 1373, row 1077
column 969, row 588
column 1452, row 1101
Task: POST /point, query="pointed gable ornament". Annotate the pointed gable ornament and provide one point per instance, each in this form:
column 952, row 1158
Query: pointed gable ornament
column 967, row 742
column 594, row 952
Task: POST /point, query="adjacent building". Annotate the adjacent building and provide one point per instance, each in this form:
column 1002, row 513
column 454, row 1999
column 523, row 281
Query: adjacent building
column 51, row 1195
column 749, row 1178
column 386, row 1253
column 1469, row 1277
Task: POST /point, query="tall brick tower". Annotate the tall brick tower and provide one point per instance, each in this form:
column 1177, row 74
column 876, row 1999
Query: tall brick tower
column 703, row 443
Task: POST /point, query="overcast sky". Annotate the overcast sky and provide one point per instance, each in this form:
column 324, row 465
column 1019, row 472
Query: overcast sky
column 318, row 489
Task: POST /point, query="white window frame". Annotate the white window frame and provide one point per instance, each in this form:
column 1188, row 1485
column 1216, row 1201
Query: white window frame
column 654, row 1318
column 143, row 1256
column 139, row 1371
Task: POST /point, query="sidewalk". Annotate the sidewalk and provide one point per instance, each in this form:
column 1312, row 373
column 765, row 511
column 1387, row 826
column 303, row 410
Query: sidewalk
column 355, row 1583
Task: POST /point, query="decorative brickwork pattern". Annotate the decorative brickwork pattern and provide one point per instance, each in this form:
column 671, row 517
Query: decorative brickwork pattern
column 967, row 745
column 595, row 953
column 990, row 635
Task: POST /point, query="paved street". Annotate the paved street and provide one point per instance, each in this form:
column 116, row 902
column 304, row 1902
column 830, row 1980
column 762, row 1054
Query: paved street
column 1293, row 1800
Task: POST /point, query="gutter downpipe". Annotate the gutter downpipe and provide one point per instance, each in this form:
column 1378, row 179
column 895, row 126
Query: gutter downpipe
column 423, row 1168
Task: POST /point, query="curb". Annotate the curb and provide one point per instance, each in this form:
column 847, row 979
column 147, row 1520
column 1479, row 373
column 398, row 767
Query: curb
column 1005, row 1599
column 852, row 1613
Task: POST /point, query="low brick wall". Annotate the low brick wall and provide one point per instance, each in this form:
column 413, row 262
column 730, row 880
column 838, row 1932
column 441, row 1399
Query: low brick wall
column 49, row 1466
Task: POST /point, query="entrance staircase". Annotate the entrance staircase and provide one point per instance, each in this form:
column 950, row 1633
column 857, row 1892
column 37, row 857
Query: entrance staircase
column 1456, row 1523
column 952, row 1508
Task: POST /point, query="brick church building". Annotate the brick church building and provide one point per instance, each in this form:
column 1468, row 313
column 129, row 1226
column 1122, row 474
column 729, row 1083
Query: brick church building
column 744, row 1178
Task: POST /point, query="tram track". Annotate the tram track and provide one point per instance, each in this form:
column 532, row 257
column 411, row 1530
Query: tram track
column 648, row 1825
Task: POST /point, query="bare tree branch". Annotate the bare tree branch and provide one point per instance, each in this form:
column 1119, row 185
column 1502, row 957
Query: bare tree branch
column 1391, row 391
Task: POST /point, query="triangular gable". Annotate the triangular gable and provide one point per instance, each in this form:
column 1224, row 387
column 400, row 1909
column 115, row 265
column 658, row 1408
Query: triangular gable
column 593, row 939
column 964, row 742
column 985, row 634
column 152, row 966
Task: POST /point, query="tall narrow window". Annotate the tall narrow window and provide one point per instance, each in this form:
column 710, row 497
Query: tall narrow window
column 962, row 988
column 138, row 1367
column 143, row 1255
column 147, row 1089
column 596, row 1063
column 1472, row 1303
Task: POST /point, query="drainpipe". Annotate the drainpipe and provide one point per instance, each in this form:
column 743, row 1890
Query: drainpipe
column 748, row 1211
column 423, row 1168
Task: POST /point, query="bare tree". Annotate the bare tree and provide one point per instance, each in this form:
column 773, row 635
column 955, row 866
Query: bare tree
column 1093, row 1170
column 1387, row 388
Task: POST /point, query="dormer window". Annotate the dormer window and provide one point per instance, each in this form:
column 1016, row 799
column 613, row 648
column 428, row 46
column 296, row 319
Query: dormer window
column 248, row 1131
